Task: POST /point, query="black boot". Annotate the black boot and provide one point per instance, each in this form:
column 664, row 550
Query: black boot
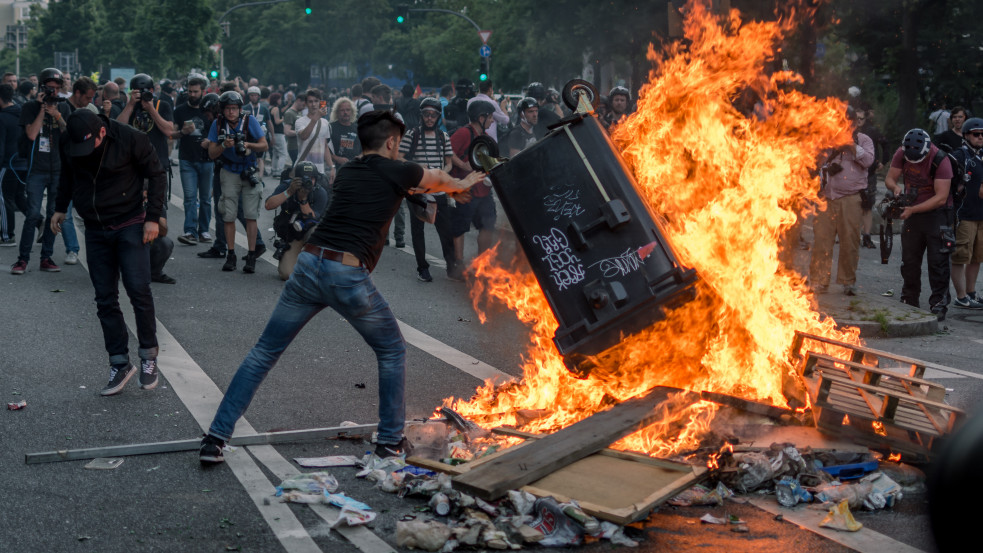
column 867, row 242
column 230, row 261
column 250, row 266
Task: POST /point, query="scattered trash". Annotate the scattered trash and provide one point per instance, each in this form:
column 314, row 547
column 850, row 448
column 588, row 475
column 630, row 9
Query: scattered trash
column 440, row 504
column 16, row 406
column 740, row 528
column 83, row 538
column 840, row 518
column 81, row 387
column 312, row 483
column 429, row 535
column 330, row 461
column 463, row 320
column 889, row 293
column 360, row 385
column 557, row 529
column 572, row 509
column 847, row 465
column 151, row 469
column 790, row 492
column 57, row 290
column 701, row 495
column 351, row 516
column 104, row 463
column 710, row 519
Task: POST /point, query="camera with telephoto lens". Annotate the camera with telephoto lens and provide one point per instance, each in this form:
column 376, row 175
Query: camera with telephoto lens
column 238, row 138
column 280, row 248
column 251, row 175
column 893, row 207
column 51, row 95
column 146, row 95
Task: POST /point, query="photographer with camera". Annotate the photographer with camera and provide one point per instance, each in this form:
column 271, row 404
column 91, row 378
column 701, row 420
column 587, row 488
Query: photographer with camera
column 844, row 177
column 927, row 178
column 151, row 116
column 302, row 199
column 234, row 141
column 44, row 124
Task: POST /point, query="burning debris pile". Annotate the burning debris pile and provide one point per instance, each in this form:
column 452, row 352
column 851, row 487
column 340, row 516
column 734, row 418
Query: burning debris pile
column 730, row 186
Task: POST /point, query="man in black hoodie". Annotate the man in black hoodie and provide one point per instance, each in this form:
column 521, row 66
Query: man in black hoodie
column 106, row 163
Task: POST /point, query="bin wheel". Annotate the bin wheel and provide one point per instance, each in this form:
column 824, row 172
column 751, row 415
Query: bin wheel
column 573, row 89
column 481, row 145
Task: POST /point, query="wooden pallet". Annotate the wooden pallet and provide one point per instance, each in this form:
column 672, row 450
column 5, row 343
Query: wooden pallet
column 876, row 357
column 877, row 407
column 617, row 486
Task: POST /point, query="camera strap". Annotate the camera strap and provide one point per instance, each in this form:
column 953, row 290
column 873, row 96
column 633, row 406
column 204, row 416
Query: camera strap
column 313, row 137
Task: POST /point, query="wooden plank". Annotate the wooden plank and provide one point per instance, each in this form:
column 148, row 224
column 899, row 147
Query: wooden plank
column 918, row 366
column 266, row 438
column 827, row 361
column 770, row 411
column 547, row 455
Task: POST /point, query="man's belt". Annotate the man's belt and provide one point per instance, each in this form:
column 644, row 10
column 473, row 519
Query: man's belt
column 344, row 258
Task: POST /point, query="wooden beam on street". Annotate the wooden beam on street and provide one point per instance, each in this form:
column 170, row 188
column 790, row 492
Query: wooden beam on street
column 266, row 438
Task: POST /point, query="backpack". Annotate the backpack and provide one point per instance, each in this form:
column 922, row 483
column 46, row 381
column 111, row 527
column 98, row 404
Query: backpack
column 409, row 108
column 415, row 142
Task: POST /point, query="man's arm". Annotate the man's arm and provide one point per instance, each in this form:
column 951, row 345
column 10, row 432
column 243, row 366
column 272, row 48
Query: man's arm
column 124, row 116
column 309, row 128
column 162, row 123
column 865, row 151
column 891, row 180
column 436, row 180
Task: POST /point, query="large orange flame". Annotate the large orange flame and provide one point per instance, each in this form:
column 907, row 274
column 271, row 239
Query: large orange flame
column 731, row 186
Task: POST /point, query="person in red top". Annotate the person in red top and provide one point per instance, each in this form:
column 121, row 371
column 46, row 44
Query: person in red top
column 481, row 209
column 924, row 219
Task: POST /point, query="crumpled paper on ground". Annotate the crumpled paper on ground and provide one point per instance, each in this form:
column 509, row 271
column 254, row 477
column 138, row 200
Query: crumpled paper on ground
column 428, row 535
column 840, row 518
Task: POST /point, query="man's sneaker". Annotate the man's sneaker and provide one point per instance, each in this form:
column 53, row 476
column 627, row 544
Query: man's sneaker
column 48, row 266
column 148, row 374
column 9, row 242
column 230, row 261
column 260, row 250
column 967, row 303
column 211, row 450
column 18, row 268
column 250, row 266
column 188, row 239
column 974, row 297
column 849, row 290
column 394, row 450
column 400, row 244
column 866, row 242
column 212, row 253
column 163, row 278
column 205, row 238
column 72, row 258
column 423, row 275
column 119, row 375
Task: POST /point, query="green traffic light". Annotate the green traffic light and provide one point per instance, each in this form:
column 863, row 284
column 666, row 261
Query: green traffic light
column 400, row 19
column 214, row 74
column 307, row 11
column 483, row 77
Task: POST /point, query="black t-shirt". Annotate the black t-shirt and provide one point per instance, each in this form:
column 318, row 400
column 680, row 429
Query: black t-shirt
column 189, row 146
column 519, row 139
column 971, row 207
column 143, row 122
column 363, row 205
column 344, row 140
column 43, row 153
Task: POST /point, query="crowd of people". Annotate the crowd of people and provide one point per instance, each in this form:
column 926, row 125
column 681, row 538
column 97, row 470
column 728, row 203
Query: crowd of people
column 933, row 186
column 98, row 159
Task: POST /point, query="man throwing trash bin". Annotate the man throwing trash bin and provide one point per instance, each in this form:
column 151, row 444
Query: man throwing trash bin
column 333, row 270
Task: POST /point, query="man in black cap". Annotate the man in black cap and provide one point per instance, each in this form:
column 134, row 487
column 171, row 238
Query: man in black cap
column 106, row 163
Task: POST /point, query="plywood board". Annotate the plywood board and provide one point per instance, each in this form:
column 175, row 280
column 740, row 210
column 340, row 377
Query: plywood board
column 522, row 466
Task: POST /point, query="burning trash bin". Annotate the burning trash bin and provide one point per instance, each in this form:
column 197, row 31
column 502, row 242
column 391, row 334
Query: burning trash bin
column 599, row 255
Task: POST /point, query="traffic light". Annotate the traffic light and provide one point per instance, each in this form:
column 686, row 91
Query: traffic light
column 213, row 73
column 402, row 13
column 307, row 7
column 483, row 72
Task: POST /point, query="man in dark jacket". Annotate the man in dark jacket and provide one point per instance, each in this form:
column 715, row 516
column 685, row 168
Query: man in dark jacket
column 12, row 198
column 105, row 166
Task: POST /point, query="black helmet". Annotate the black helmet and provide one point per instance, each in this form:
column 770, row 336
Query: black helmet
column 619, row 90
column 229, row 98
column 916, row 145
column 526, row 103
column 431, row 103
column 167, row 85
column 141, row 81
column 479, row 108
column 537, row 91
column 306, row 169
column 465, row 88
column 209, row 101
column 50, row 74
column 972, row 124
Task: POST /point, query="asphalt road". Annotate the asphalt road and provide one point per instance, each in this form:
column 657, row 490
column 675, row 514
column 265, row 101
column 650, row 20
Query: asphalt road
column 53, row 358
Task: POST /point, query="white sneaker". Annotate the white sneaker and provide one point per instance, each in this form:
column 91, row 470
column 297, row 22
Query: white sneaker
column 967, row 303
column 72, row 258
column 205, row 237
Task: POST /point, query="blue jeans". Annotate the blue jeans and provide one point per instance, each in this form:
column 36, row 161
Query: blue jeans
column 196, row 181
column 37, row 184
column 121, row 253
column 68, row 231
column 314, row 285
